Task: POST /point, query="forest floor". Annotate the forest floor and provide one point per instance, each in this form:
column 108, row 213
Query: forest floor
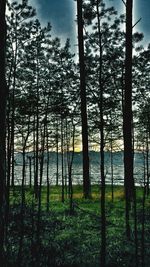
column 60, row 238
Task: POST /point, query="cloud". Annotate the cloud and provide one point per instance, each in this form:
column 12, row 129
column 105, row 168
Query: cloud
column 61, row 14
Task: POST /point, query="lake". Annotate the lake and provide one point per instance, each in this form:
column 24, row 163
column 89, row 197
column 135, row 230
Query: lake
column 118, row 169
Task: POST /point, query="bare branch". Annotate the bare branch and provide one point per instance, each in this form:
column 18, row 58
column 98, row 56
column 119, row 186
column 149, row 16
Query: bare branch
column 136, row 23
column 124, row 2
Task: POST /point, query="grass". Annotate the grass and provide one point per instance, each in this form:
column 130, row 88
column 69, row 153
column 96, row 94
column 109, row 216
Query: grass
column 75, row 240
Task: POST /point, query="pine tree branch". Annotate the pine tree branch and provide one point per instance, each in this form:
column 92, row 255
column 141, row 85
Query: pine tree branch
column 136, row 22
column 124, row 2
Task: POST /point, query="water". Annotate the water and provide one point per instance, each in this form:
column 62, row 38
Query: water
column 118, row 169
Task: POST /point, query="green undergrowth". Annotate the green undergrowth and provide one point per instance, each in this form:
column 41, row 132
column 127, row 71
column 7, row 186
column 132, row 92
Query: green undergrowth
column 74, row 239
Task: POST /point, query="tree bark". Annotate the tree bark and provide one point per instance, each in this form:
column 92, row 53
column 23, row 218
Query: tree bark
column 3, row 96
column 62, row 162
column 128, row 117
column 47, row 172
column 102, row 144
column 57, row 155
column 86, row 176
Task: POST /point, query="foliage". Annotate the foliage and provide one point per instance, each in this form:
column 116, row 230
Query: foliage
column 74, row 240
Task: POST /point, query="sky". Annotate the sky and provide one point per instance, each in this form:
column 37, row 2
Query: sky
column 142, row 9
column 62, row 14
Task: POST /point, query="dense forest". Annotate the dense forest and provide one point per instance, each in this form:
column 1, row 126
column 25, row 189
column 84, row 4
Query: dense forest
column 53, row 101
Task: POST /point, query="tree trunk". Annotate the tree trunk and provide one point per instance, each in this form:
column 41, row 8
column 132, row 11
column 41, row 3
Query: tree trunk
column 37, row 138
column 57, row 155
column 128, row 117
column 111, row 161
column 143, row 228
column 30, row 171
column 62, row 161
column 103, row 208
column 112, row 170
column 70, row 163
column 147, row 161
column 86, row 176
column 47, row 173
column 40, row 183
column 3, row 95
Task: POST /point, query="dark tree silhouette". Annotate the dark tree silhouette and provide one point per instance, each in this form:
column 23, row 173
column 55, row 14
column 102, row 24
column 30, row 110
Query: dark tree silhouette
column 3, row 95
column 86, row 177
column 102, row 174
column 128, row 116
column 47, row 105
